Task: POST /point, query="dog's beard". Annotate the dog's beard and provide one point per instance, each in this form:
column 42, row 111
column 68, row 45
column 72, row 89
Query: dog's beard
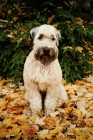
column 46, row 59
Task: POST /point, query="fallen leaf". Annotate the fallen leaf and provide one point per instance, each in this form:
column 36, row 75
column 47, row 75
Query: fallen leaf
column 69, row 89
column 56, row 130
column 31, row 131
column 54, row 114
column 73, row 121
column 33, row 118
column 2, row 131
column 15, row 110
column 80, row 49
column 39, row 121
column 89, row 122
column 44, row 136
column 21, row 118
column 3, row 106
column 50, row 122
column 44, row 131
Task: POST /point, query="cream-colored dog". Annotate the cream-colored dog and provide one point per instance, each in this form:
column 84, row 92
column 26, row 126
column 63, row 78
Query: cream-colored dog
column 42, row 73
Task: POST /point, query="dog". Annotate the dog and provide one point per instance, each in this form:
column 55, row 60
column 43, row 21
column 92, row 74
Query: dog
column 42, row 73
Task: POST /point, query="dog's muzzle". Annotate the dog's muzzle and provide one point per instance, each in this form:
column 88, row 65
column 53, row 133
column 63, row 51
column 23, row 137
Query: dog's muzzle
column 46, row 55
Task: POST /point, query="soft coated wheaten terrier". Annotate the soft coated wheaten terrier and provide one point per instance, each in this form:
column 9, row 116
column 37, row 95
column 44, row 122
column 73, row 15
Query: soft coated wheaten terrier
column 42, row 73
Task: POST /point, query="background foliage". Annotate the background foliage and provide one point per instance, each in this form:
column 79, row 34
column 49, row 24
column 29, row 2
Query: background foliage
column 73, row 18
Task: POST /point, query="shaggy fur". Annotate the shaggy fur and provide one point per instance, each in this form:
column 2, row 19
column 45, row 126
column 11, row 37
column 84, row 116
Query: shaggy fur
column 42, row 72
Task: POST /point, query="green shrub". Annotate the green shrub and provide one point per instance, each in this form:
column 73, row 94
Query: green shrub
column 19, row 17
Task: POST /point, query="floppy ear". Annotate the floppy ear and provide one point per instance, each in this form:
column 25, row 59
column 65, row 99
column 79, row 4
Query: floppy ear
column 33, row 32
column 58, row 35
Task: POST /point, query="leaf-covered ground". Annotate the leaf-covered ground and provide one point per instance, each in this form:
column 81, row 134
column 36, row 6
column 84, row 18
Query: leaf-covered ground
column 73, row 121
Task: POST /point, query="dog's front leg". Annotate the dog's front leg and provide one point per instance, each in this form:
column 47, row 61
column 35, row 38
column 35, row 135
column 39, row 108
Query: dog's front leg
column 51, row 100
column 33, row 96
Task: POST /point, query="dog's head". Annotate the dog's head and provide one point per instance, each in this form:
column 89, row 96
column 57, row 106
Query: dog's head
column 46, row 41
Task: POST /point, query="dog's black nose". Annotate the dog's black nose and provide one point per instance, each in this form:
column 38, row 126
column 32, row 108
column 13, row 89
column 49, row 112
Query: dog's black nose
column 46, row 50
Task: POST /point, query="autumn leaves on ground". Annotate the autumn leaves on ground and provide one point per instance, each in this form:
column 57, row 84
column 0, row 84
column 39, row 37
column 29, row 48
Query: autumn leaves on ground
column 71, row 122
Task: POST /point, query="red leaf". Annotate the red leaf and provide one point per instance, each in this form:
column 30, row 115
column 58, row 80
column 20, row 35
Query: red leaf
column 31, row 131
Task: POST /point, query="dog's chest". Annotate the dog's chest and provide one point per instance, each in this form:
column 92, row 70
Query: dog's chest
column 44, row 76
column 43, row 87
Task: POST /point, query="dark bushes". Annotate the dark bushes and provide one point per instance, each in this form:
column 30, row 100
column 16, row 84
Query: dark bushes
column 73, row 19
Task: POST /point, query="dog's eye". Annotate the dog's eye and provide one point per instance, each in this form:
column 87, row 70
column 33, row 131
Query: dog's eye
column 40, row 37
column 52, row 38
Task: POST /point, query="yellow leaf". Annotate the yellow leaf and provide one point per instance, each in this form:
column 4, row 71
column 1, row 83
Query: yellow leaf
column 69, row 89
column 33, row 118
column 55, row 25
column 89, row 122
column 14, row 18
column 44, row 136
column 60, row 138
column 21, row 102
column 91, row 23
column 68, row 21
column 84, row 135
column 80, row 49
column 78, row 114
column 2, row 131
column 56, row 130
column 79, row 21
column 21, row 118
column 15, row 129
column 50, row 19
column 3, row 106
column 90, row 108
column 90, row 88
column 20, row 40
column 71, row 29
column 50, row 122
column 12, row 96
column 7, row 121
column 83, row 27
column 9, row 11
column 17, row 8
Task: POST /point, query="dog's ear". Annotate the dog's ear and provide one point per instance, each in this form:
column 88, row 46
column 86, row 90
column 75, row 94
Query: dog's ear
column 58, row 35
column 33, row 32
